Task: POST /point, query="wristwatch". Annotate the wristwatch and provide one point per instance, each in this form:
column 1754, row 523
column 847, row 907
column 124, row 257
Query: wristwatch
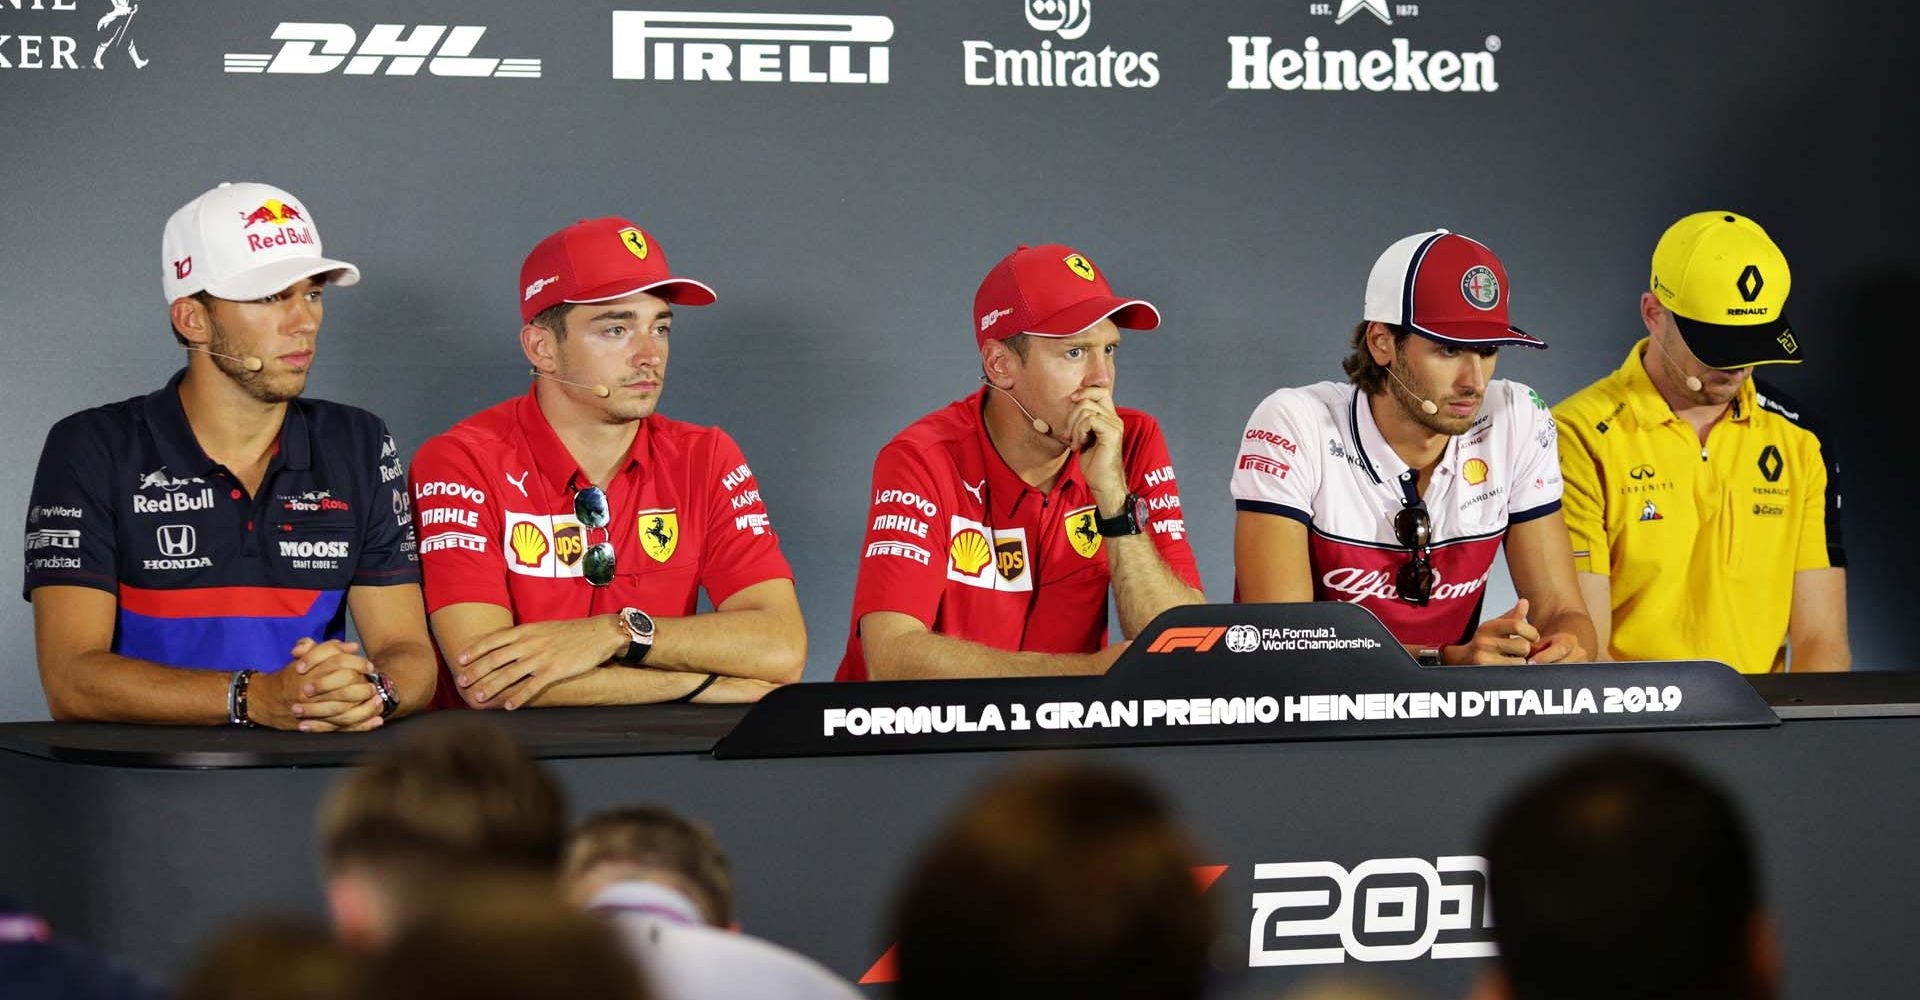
column 639, row 626
column 389, row 699
column 1131, row 520
column 1429, row 656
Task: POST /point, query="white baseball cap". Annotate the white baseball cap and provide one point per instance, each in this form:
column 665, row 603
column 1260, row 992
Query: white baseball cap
column 243, row 241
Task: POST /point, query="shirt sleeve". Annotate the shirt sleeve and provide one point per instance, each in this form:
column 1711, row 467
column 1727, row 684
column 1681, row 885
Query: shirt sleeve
column 1536, row 486
column 1583, row 499
column 903, row 555
column 71, row 526
column 459, row 528
column 1150, row 476
column 388, row 555
column 742, row 549
column 1270, row 475
column 1819, row 545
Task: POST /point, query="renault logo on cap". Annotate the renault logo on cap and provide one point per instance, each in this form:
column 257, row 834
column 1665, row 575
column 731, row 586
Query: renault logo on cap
column 1750, row 283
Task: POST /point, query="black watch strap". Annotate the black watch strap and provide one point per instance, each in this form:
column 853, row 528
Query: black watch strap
column 695, row 693
column 1131, row 520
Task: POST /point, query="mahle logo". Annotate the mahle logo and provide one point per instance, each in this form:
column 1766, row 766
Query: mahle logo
column 1256, row 63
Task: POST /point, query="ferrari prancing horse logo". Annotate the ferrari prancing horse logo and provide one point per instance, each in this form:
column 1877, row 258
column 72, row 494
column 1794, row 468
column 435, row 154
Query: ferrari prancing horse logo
column 1082, row 533
column 659, row 533
column 635, row 242
column 1080, row 266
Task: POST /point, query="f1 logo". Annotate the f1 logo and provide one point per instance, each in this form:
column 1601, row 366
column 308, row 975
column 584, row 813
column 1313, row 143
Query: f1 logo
column 1384, row 910
column 176, row 540
column 1197, row 638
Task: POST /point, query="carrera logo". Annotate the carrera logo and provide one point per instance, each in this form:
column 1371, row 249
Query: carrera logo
column 1261, row 434
column 716, row 46
column 1382, row 910
column 311, row 47
column 1196, row 638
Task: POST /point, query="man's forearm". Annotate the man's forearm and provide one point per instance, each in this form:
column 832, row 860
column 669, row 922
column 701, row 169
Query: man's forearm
column 1575, row 622
column 1822, row 654
column 755, row 644
column 617, row 685
column 413, row 670
column 1143, row 584
column 929, row 656
column 108, row 687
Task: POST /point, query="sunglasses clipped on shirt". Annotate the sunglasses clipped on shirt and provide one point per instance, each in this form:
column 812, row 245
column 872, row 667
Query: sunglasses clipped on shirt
column 1414, row 529
column 590, row 508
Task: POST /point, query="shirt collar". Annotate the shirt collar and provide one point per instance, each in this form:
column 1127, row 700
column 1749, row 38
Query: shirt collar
column 1378, row 458
column 180, row 452
column 647, row 899
column 1650, row 408
column 1002, row 481
column 556, row 465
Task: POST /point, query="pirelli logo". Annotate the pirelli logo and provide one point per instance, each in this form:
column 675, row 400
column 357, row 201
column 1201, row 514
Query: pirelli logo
column 1197, row 638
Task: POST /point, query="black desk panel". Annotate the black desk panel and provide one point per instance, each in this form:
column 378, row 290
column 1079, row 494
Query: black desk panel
column 123, row 837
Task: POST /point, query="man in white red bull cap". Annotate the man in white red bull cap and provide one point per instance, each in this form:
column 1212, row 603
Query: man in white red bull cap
column 1395, row 489
column 566, row 534
column 1000, row 522
column 192, row 553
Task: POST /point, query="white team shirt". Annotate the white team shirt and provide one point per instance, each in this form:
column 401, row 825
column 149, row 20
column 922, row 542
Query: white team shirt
column 1315, row 454
column 684, row 959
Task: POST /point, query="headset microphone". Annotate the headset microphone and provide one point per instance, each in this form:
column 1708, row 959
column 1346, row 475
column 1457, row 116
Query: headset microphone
column 598, row 390
column 249, row 362
column 1040, row 426
column 1694, row 384
column 1427, row 406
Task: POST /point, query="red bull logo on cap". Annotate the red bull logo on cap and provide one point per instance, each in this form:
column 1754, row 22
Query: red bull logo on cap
column 279, row 215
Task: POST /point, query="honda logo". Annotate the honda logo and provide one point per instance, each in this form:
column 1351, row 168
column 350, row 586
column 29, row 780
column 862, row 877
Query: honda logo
column 177, row 540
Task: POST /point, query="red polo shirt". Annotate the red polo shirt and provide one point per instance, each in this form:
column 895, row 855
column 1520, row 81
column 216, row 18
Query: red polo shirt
column 958, row 541
column 493, row 503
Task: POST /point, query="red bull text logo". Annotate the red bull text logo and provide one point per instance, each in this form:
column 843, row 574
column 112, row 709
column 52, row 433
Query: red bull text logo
column 277, row 214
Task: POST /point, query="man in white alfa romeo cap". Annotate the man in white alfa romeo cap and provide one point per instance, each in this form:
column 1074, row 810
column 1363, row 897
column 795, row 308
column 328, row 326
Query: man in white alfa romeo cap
column 1393, row 490
column 191, row 554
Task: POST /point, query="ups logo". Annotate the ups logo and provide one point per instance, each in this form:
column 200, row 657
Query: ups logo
column 568, row 544
column 1010, row 558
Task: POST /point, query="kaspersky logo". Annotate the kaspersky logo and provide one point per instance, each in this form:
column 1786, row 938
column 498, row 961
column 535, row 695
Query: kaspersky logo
column 1256, row 63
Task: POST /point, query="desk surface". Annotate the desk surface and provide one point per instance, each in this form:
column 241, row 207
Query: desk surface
column 693, row 729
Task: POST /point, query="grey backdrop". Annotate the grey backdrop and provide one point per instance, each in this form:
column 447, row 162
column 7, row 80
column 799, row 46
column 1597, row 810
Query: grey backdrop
column 846, row 226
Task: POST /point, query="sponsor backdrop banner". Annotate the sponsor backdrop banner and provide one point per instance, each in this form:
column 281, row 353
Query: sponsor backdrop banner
column 843, row 173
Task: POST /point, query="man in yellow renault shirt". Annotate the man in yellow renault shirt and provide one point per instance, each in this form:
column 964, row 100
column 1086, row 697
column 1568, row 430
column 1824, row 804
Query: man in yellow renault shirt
column 1704, row 520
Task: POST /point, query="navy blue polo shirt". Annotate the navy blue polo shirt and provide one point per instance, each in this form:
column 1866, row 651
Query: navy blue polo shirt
column 207, row 576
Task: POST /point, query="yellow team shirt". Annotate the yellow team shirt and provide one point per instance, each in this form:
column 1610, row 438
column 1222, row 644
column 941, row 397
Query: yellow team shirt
column 1701, row 544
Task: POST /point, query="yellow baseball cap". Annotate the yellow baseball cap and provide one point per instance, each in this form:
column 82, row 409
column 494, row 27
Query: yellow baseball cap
column 1726, row 284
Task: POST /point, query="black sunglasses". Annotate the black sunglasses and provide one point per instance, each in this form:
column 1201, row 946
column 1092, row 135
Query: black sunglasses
column 590, row 507
column 1414, row 529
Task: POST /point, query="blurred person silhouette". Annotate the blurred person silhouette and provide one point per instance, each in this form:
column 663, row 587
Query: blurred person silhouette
column 667, row 886
column 1061, row 882
column 37, row 965
column 1623, row 873
column 272, row 958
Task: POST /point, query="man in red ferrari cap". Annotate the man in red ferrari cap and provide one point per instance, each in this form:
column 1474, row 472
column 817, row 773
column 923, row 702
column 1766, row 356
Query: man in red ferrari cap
column 1394, row 489
column 565, row 535
column 1000, row 522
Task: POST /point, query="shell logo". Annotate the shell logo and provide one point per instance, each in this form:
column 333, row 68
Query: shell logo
column 529, row 543
column 970, row 552
column 1475, row 471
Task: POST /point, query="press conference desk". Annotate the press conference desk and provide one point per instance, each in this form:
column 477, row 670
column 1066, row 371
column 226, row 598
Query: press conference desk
column 143, row 840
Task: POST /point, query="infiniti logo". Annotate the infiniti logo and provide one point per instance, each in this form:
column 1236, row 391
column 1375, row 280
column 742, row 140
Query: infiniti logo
column 1642, row 471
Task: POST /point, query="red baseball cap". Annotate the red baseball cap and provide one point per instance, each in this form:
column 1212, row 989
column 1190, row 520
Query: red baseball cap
column 598, row 260
column 1445, row 287
column 1051, row 291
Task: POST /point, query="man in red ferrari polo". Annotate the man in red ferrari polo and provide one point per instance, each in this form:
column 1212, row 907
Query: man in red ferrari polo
column 1000, row 522
column 565, row 535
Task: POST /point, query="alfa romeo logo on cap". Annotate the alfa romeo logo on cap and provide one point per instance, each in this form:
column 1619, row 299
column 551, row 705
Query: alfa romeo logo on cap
column 635, row 241
column 1080, row 266
column 1481, row 287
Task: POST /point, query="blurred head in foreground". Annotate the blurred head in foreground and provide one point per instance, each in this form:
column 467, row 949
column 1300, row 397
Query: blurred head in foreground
column 649, row 843
column 273, row 959
column 1059, row 882
column 1622, row 873
column 455, row 800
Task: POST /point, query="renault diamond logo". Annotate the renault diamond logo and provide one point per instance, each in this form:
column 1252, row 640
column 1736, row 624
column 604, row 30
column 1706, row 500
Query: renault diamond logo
column 177, row 540
column 1750, row 283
